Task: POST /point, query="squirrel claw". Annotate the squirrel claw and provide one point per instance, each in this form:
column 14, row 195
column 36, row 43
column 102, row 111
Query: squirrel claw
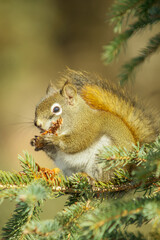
column 36, row 142
column 33, row 142
column 37, row 149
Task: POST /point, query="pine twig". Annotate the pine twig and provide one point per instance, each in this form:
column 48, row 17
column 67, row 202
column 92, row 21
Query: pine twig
column 121, row 10
column 112, row 50
column 129, row 68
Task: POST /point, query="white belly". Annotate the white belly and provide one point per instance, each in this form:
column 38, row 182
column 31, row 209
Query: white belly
column 83, row 161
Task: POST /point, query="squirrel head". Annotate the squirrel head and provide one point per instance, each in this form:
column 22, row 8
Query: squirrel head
column 64, row 103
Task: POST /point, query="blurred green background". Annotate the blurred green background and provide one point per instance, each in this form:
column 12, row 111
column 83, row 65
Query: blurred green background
column 38, row 39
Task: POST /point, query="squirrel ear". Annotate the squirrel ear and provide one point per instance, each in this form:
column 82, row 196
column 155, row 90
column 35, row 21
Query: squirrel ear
column 69, row 92
column 50, row 89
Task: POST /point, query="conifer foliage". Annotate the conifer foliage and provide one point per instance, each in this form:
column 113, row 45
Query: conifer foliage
column 94, row 210
column 133, row 16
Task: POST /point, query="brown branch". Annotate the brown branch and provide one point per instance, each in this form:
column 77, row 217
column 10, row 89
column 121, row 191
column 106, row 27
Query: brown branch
column 9, row 186
column 61, row 187
column 111, row 188
column 123, row 214
column 124, row 158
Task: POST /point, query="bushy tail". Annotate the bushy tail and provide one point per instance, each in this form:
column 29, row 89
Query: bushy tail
column 144, row 126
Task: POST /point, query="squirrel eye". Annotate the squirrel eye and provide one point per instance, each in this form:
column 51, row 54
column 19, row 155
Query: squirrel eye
column 56, row 109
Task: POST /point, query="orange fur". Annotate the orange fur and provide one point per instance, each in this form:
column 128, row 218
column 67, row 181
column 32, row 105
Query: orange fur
column 139, row 124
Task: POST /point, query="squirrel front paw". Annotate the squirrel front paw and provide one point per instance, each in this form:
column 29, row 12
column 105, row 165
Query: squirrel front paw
column 48, row 137
column 37, row 142
column 44, row 142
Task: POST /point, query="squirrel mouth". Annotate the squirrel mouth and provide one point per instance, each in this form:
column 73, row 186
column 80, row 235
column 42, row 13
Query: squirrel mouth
column 52, row 129
column 41, row 129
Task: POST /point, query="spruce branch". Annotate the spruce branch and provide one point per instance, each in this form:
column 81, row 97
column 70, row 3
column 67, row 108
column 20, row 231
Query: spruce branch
column 102, row 223
column 12, row 180
column 128, row 69
column 112, row 156
column 9, row 193
column 64, row 224
column 112, row 50
column 86, row 197
column 144, row 13
column 146, row 157
column 121, row 10
column 30, row 168
column 149, row 8
column 27, row 208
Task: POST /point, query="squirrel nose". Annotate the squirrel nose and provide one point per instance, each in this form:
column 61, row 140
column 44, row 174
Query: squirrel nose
column 37, row 123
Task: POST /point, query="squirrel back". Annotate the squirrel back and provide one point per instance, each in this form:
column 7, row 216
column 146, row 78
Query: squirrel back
column 142, row 120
